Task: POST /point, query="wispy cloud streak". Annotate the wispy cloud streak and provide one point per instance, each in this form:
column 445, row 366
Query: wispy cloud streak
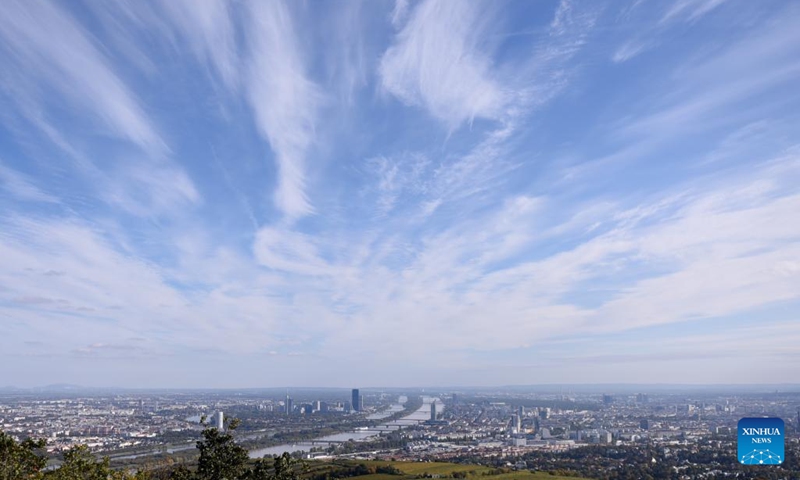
column 437, row 62
column 54, row 51
column 284, row 100
column 278, row 191
column 21, row 187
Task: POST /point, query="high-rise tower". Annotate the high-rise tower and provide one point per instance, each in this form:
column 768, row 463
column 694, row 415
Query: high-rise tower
column 356, row 400
column 289, row 405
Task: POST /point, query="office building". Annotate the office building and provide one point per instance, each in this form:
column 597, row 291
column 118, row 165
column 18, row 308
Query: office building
column 433, row 412
column 797, row 427
column 356, row 404
column 220, row 421
column 515, row 424
column 544, row 413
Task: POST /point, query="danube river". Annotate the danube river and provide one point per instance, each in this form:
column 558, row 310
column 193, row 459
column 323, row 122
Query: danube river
column 415, row 418
column 422, row 414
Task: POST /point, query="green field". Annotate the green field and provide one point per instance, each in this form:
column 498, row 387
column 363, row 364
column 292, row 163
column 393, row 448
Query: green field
column 433, row 468
column 412, row 470
column 378, row 476
column 522, row 475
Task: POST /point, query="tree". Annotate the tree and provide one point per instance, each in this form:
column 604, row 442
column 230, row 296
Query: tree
column 20, row 460
column 81, row 464
column 220, row 457
column 284, row 467
column 179, row 472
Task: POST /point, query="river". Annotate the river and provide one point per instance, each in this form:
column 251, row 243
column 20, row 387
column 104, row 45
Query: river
column 422, row 414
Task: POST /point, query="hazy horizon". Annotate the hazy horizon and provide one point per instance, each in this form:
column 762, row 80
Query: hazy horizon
column 228, row 194
column 551, row 388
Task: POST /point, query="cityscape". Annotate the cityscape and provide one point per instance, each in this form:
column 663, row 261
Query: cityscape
column 533, row 428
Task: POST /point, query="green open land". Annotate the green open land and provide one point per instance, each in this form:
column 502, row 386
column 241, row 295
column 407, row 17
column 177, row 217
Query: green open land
column 417, row 470
column 433, row 468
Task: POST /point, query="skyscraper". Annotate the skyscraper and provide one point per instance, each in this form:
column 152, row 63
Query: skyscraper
column 518, row 423
column 220, row 421
column 544, row 413
column 289, row 405
column 356, row 400
column 433, row 412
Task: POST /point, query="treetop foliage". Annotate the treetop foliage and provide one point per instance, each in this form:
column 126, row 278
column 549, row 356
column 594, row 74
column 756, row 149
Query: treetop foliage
column 220, row 459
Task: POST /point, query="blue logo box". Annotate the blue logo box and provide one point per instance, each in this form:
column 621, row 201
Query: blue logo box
column 761, row 441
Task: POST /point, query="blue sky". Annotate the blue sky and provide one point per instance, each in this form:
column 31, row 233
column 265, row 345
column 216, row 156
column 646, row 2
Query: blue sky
column 244, row 194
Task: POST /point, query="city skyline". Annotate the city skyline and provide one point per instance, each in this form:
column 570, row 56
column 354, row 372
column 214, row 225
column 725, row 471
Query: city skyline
column 399, row 193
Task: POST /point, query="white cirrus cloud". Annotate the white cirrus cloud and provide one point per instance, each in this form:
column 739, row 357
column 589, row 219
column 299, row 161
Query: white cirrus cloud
column 54, row 50
column 438, row 62
column 22, row 187
column 690, row 10
column 283, row 98
column 629, row 50
column 208, row 27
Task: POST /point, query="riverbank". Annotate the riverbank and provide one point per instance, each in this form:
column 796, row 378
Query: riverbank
column 391, row 418
column 418, row 416
column 320, row 437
